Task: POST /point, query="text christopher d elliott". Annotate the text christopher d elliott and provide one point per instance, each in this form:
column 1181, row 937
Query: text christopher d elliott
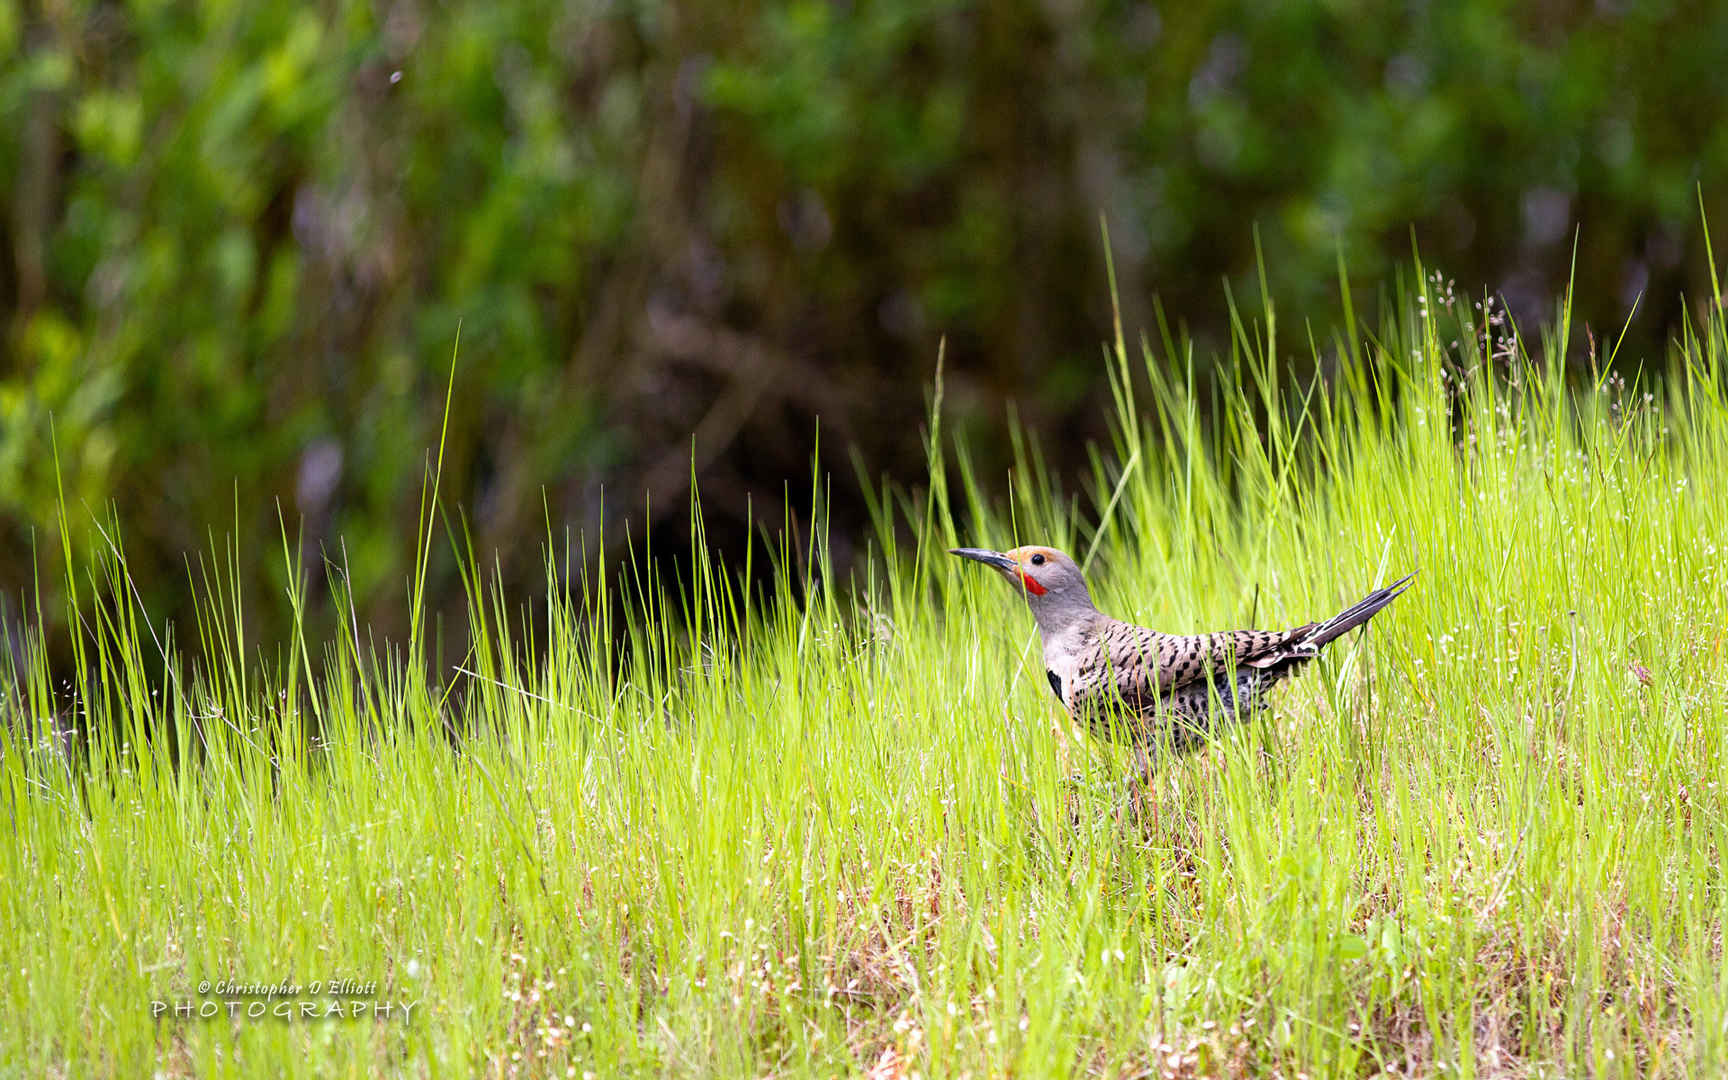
column 334, row 999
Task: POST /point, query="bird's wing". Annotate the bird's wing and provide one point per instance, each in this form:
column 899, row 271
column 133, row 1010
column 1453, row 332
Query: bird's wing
column 1147, row 662
column 1143, row 673
column 1143, row 670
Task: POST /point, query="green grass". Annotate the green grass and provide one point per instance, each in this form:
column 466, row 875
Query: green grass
column 681, row 829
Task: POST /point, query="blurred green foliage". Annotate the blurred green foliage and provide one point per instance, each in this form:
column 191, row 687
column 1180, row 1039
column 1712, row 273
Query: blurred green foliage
column 240, row 238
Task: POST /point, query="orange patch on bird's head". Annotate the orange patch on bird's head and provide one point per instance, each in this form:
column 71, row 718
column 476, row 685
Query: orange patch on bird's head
column 1033, row 563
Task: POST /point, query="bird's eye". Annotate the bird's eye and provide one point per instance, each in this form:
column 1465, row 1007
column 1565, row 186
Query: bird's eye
column 1037, row 560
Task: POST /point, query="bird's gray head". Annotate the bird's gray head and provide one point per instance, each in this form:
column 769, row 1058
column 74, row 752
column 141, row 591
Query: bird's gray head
column 1051, row 582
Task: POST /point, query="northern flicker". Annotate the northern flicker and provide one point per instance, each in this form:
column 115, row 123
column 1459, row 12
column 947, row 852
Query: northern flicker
column 1126, row 682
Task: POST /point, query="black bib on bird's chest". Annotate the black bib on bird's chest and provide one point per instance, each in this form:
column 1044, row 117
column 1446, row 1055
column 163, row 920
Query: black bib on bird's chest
column 1055, row 682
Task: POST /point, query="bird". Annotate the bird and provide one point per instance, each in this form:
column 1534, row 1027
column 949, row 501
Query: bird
column 1127, row 683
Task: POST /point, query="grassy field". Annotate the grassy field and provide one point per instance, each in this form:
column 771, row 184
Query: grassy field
column 680, row 829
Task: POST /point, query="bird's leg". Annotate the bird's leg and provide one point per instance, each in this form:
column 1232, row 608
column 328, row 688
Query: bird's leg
column 1143, row 766
column 1141, row 781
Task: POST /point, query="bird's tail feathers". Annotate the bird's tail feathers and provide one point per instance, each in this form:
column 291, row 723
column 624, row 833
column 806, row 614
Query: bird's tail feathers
column 1356, row 614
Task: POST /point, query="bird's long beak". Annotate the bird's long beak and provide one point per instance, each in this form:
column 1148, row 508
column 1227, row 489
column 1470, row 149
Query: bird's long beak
column 993, row 559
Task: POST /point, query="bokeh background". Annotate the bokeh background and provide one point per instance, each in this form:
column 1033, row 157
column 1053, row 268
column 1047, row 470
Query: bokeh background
column 239, row 238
